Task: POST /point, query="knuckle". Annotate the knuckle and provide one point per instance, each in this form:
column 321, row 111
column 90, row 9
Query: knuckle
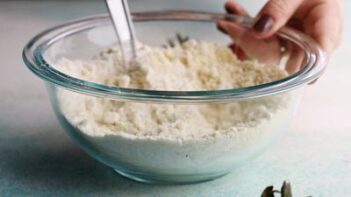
column 279, row 7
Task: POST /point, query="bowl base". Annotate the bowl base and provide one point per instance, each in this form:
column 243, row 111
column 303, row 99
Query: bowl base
column 170, row 179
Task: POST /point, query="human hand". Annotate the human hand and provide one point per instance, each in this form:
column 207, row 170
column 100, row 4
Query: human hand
column 320, row 19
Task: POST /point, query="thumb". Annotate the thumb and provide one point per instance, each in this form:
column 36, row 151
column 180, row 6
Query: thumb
column 274, row 15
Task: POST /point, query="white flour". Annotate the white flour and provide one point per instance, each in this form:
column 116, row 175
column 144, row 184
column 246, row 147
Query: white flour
column 181, row 137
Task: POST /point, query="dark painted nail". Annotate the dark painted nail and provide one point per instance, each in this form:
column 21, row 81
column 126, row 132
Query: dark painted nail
column 229, row 11
column 264, row 24
column 221, row 29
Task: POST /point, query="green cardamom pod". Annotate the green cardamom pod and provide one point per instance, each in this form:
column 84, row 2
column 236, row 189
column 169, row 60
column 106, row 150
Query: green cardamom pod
column 268, row 192
column 286, row 190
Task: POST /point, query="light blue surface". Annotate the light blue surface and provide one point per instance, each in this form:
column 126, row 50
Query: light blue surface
column 38, row 159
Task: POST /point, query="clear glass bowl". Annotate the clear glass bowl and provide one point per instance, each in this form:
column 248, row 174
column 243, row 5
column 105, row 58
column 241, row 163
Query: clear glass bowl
column 155, row 159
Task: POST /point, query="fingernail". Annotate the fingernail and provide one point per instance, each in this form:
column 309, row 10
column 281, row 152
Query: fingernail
column 240, row 54
column 228, row 10
column 264, row 24
column 221, row 29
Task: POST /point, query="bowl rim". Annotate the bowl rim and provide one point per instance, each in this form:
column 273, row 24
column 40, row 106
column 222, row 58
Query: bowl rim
column 33, row 51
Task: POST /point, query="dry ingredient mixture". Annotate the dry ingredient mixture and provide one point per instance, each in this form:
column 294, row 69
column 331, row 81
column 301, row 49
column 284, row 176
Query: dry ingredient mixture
column 190, row 66
column 185, row 138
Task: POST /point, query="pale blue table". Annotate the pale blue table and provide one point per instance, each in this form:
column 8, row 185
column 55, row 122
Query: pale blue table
column 38, row 159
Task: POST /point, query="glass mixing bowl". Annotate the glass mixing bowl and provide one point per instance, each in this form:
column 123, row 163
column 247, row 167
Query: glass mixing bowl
column 264, row 111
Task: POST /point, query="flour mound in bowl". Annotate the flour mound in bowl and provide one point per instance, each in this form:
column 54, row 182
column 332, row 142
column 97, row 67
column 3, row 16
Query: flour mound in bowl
column 191, row 66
